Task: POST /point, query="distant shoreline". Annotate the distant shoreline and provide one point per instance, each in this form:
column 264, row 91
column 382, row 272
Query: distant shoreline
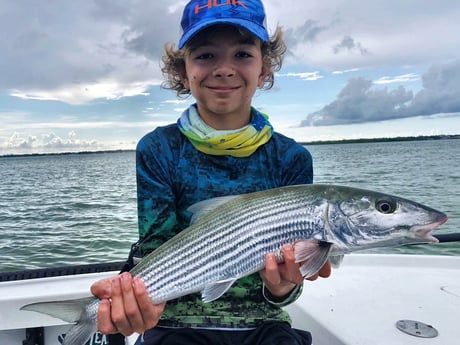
column 318, row 142
column 375, row 140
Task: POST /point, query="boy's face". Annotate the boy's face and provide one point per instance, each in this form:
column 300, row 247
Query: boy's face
column 223, row 69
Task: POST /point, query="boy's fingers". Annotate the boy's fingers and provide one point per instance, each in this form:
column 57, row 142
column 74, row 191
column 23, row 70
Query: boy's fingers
column 290, row 272
column 150, row 313
column 132, row 315
column 118, row 312
column 102, row 288
column 271, row 272
column 104, row 319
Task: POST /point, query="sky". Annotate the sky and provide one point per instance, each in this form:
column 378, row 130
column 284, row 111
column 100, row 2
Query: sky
column 85, row 75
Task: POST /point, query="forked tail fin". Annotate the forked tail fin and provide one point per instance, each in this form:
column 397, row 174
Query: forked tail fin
column 81, row 332
column 70, row 311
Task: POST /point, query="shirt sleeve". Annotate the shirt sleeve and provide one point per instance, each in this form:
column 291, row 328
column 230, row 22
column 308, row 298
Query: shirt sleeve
column 284, row 300
column 158, row 220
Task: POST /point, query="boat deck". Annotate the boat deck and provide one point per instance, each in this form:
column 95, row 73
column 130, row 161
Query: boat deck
column 364, row 299
column 359, row 304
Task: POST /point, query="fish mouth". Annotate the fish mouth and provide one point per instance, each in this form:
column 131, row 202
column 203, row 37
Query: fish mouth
column 424, row 231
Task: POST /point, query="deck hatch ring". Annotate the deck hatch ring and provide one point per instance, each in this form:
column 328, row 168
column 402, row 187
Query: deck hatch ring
column 417, row 328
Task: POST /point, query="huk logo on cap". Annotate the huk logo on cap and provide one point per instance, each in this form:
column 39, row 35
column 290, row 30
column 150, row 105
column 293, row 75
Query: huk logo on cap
column 217, row 3
column 246, row 14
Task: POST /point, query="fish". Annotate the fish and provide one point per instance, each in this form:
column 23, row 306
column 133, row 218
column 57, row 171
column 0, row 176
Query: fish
column 229, row 237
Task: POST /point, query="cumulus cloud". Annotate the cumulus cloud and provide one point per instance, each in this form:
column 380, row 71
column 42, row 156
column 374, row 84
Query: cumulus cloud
column 360, row 101
column 441, row 90
column 50, row 142
column 79, row 51
column 18, row 142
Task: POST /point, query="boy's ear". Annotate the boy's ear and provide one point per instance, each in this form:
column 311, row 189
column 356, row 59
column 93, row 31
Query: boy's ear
column 263, row 75
column 185, row 81
column 183, row 78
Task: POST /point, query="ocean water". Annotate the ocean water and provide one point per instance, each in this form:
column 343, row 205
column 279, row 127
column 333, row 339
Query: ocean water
column 81, row 208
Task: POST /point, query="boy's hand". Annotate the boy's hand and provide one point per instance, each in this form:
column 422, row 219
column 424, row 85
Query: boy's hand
column 125, row 305
column 280, row 279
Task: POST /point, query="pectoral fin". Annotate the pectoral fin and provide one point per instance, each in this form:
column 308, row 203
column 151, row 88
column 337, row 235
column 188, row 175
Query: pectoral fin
column 313, row 254
column 214, row 291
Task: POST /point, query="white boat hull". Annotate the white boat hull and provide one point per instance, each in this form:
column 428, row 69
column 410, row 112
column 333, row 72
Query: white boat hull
column 362, row 301
column 359, row 304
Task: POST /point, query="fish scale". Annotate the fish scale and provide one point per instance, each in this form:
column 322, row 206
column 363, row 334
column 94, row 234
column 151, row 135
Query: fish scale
column 230, row 237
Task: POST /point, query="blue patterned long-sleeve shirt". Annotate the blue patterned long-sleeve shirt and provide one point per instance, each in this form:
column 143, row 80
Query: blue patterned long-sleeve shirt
column 172, row 175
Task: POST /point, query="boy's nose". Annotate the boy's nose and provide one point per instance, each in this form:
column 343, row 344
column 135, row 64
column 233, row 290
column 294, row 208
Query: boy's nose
column 224, row 68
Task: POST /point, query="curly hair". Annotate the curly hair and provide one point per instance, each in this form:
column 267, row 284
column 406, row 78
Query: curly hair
column 174, row 62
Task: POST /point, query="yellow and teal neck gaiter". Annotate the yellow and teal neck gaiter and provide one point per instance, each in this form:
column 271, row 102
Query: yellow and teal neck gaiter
column 237, row 143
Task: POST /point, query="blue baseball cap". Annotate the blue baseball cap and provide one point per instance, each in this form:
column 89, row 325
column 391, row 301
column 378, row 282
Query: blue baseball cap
column 200, row 14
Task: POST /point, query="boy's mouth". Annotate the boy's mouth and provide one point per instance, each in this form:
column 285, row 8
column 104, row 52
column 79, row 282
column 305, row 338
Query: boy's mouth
column 223, row 90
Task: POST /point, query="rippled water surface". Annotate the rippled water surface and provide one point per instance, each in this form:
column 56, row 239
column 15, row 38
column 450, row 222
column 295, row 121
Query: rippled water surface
column 81, row 208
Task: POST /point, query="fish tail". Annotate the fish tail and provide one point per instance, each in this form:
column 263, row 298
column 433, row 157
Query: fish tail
column 70, row 311
column 81, row 332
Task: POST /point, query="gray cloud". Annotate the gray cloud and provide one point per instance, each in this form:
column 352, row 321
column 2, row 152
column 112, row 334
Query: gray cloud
column 51, row 46
column 57, row 48
column 349, row 44
column 346, row 34
column 441, row 90
column 360, row 101
column 307, row 32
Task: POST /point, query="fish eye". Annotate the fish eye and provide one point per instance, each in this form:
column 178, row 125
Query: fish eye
column 385, row 206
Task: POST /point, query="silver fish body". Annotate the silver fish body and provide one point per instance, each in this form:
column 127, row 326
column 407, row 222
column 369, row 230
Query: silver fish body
column 230, row 236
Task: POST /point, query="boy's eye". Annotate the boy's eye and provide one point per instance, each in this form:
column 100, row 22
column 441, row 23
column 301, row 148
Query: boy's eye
column 243, row 54
column 204, row 56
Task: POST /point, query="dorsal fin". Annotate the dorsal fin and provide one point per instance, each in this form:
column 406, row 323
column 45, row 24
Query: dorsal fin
column 202, row 208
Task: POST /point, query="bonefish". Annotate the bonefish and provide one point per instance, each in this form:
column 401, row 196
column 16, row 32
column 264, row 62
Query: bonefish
column 229, row 237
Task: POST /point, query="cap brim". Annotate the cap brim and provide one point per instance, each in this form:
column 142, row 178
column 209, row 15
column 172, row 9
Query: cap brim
column 259, row 31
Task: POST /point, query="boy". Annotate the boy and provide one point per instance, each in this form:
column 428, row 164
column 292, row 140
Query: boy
column 220, row 146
